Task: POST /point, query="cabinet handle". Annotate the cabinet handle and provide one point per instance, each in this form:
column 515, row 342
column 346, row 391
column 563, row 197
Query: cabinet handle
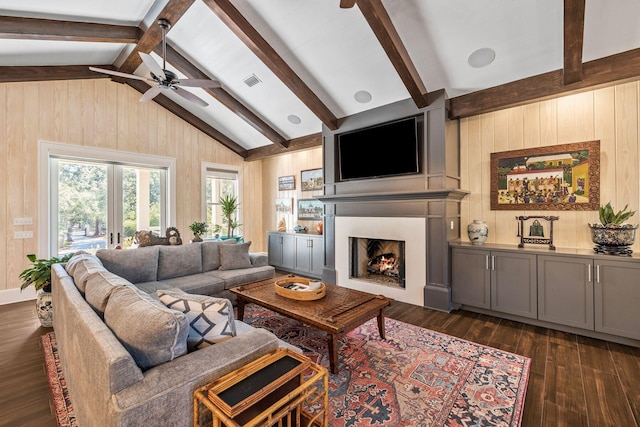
column 486, row 262
column 597, row 273
column 589, row 272
column 493, row 262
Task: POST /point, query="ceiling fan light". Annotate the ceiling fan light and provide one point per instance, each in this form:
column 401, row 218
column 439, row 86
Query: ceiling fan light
column 362, row 96
column 481, row 57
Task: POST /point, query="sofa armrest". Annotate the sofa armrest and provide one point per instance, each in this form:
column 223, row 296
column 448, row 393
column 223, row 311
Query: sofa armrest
column 259, row 259
column 165, row 395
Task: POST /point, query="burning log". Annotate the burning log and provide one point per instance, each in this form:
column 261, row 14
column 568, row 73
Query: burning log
column 386, row 264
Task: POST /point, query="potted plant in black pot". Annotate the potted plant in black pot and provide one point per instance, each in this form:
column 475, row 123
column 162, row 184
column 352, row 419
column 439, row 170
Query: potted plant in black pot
column 612, row 235
column 39, row 276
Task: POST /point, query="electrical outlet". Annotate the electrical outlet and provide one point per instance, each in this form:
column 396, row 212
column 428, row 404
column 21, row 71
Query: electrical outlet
column 23, row 221
column 23, row 234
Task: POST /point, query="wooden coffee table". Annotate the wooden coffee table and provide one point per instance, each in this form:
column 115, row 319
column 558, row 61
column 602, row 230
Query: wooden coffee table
column 341, row 310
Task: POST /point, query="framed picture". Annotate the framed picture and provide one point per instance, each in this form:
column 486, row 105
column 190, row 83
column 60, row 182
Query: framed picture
column 310, row 209
column 284, row 206
column 286, row 183
column 311, row 179
column 558, row 177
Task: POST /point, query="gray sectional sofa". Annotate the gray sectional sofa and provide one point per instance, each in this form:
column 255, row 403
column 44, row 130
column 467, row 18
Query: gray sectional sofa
column 124, row 353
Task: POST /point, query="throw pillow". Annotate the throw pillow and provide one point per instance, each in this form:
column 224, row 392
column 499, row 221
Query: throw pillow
column 233, row 257
column 151, row 332
column 210, row 319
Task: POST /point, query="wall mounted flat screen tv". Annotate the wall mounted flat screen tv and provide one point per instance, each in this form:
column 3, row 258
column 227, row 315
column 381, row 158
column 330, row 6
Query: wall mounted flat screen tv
column 389, row 149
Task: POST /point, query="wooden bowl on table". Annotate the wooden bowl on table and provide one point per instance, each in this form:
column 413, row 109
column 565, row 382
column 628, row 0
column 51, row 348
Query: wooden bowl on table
column 282, row 288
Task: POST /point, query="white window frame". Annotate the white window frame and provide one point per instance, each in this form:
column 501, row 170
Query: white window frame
column 48, row 150
column 204, row 171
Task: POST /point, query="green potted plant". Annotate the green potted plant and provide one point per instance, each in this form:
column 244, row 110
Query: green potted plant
column 229, row 205
column 38, row 275
column 612, row 235
column 198, row 229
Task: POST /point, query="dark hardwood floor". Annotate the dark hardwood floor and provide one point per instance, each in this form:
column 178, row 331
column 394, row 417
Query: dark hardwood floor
column 574, row 382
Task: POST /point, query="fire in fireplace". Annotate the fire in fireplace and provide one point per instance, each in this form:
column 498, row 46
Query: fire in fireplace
column 377, row 260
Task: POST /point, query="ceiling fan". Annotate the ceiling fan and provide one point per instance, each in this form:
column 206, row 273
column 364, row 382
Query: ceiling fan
column 164, row 79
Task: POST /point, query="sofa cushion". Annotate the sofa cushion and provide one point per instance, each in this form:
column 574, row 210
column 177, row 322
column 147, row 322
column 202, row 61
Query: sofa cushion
column 151, row 332
column 152, row 287
column 176, row 261
column 243, row 276
column 99, row 288
column 210, row 319
column 135, row 265
column 81, row 266
column 202, row 283
column 233, row 257
column 211, row 254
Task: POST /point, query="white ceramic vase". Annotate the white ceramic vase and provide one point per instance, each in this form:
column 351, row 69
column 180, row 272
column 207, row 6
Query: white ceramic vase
column 44, row 308
column 478, row 232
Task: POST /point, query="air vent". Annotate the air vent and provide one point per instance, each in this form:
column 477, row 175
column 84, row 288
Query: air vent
column 252, row 80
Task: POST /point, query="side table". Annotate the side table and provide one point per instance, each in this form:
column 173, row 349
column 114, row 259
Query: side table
column 278, row 388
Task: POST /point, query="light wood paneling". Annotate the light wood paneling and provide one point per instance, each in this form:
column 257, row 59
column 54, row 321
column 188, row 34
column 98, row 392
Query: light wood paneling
column 102, row 114
column 611, row 115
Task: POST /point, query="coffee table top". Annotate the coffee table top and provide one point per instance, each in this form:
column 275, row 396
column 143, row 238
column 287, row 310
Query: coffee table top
column 339, row 310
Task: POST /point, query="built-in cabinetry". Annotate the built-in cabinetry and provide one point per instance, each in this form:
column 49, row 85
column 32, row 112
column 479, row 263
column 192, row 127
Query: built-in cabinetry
column 298, row 253
column 573, row 288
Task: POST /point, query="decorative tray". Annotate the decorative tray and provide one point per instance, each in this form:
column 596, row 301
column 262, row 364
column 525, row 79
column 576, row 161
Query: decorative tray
column 298, row 288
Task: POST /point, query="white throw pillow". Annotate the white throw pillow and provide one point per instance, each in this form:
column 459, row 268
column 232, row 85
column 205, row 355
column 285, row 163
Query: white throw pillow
column 210, row 319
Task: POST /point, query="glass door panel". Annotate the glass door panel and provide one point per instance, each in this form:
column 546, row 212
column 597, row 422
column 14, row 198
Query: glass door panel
column 82, row 206
column 142, row 202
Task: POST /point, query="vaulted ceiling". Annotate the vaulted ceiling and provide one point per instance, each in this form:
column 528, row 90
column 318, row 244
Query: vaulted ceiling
column 287, row 67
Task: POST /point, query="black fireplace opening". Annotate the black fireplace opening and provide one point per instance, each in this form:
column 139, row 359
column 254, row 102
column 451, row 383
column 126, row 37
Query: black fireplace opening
column 377, row 260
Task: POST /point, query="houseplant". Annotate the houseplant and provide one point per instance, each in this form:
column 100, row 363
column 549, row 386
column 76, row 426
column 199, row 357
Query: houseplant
column 612, row 235
column 198, row 229
column 229, row 205
column 39, row 276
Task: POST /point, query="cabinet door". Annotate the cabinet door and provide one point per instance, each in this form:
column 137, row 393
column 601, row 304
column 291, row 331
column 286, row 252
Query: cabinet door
column 288, row 250
column 565, row 290
column 514, row 284
column 470, row 277
column 303, row 254
column 617, row 295
column 317, row 256
column 275, row 249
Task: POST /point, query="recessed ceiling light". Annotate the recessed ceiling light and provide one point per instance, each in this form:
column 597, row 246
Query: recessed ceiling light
column 481, row 57
column 362, row 96
column 294, row 119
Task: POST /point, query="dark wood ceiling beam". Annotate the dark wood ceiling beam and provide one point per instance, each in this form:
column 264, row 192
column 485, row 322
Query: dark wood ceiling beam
column 259, row 46
column 347, row 4
column 296, row 144
column 599, row 72
column 12, row 27
column 172, row 12
column 380, row 22
column 224, row 97
column 573, row 40
column 12, row 74
column 190, row 118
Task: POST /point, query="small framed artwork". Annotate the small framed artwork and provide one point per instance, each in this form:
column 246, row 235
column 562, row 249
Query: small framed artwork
column 559, row 177
column 310, row 209
column 311, row 180
column 284, row 206
column 286, row 183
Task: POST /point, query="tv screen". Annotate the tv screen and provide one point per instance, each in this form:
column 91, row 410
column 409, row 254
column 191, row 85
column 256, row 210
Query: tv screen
column 379, row 151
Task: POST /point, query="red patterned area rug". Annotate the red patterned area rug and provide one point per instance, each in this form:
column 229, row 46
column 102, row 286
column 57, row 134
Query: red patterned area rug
column 57, row 384
column 415, row 377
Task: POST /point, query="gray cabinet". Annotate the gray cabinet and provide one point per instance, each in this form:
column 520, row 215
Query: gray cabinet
column 617, row 296
column 565, row 290
column 500, row 281
column 298, row 253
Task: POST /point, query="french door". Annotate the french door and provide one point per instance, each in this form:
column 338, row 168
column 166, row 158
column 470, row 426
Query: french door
column 100, row 201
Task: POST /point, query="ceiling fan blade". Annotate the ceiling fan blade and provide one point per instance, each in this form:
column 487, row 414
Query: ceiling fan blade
column 152, row 65
column 188, row 95
column 150, row 93
column 118, row 73
column 198, row 83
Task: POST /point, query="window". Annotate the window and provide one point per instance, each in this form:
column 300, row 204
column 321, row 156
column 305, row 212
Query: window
column 219, row 181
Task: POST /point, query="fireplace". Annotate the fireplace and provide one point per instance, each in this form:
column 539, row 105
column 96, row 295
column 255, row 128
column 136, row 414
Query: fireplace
column 377, row 260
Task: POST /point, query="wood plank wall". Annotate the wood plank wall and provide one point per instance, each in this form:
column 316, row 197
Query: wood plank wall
column 289, row 164
column 103, row 114
column 610, row 115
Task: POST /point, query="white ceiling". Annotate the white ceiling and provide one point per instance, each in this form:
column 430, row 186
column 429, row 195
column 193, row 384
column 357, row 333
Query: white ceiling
column 334, row 51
